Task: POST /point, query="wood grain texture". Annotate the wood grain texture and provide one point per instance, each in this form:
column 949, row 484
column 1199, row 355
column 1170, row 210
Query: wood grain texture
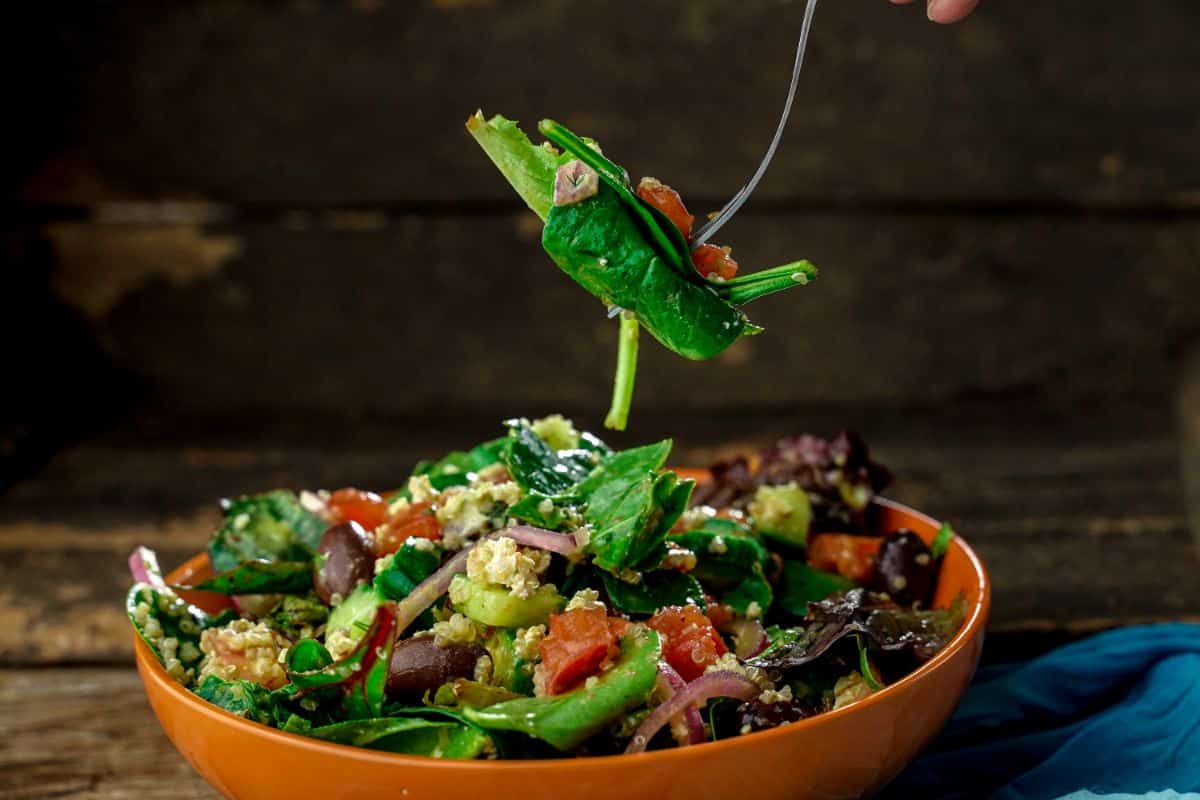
column 89, row 734
column 1081, row 520
column 907, row 310
column 362, row 104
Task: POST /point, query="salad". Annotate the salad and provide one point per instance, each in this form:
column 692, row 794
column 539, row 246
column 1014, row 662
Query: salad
column 630, row 247
column 544, row 595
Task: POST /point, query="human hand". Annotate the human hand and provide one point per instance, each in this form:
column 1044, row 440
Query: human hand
column 946, row 11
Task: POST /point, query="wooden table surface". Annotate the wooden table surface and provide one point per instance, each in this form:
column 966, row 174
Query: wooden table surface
column 1082, row 522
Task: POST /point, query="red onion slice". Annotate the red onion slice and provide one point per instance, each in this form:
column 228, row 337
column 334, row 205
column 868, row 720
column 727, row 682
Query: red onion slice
column 706, row 687
column 565, row 544
column 670, row 682
column 143, row 563
column 429, row 590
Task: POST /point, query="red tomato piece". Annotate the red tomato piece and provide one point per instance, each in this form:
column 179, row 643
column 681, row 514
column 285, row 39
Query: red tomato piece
column 355, row 505
column 719, row 615
column 577, row 646
column 417, row 520
column 668, row 201
column 691, row 643
column 714, row 262
column 847, row 555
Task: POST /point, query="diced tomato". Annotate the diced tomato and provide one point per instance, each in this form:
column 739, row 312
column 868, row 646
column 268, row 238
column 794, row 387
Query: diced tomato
column 848, row 555
column 691, row 643
column 714, row 262
column 668, row 201
column 577, row 646
column 355, row 505
column 719, row 615
column 417, row 520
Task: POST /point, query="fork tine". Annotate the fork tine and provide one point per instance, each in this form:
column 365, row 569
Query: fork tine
column 705, row 232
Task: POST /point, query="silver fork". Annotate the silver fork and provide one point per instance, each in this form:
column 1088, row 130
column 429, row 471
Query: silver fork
column 705, row 231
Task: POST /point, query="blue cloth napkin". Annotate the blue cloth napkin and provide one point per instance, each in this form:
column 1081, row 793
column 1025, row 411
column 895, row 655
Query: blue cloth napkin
column 1115, row 714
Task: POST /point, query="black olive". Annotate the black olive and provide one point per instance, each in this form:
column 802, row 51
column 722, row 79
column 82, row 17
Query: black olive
column 904, row 568
column 344, row 560
column 419, row 665
column 756, row 715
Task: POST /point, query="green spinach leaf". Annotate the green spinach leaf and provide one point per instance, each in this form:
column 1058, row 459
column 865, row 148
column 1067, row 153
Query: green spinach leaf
column 270, row 527
column 656, row 590
column 801, row 584
column 260, row 577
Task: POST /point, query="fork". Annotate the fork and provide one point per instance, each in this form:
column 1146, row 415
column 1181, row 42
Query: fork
column 705, row 231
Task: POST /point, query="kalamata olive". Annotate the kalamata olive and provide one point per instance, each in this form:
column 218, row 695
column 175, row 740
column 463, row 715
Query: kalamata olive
column 419, row 665
column 760, row 716
column 904, row 568
column 345, row 559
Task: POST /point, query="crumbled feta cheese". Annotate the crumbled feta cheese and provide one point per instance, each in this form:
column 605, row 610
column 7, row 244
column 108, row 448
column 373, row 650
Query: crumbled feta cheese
column 500, row 561
column 771, row 696
column 695, row 517
column 483, row 669
column 400, row 506
column 456, row 630
column 382, row 564
column 850, row 689
column 585, row 598
column 717, row 546
column 556, row 431
column 730, row 663
column 754, row 610
column 340, row 643
column 494, row 473
column 546, row 507
column 467, row 511
column 420, row 489
column 679, row 558
column 525, row 645
column 244, row 650
column 417, row 543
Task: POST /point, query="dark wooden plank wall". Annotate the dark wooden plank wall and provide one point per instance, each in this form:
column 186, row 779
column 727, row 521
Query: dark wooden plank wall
column 252, row 246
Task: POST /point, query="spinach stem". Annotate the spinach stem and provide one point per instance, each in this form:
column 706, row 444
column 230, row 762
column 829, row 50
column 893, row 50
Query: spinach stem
column 864, row 666
column 627, row 351
column 768, row 281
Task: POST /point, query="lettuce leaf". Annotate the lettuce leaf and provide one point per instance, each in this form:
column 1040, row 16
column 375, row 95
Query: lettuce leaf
column 528, row 167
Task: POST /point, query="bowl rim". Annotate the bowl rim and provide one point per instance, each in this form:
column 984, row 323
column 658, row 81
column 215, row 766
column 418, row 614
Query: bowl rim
column 152, row 670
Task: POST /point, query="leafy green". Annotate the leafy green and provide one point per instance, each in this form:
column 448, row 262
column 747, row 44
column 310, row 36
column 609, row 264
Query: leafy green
column 724, row 542
column 245, row 699
column 260, row 577
column 884, row 627
column 752, row 590
column 627, row 253
column 308, row 655
column 631, row 505
column 801, row 584
column 269, row 527
column 941, row 542
column 537, row 467
column 295, row 614
column 864, row 665
column 528, row 167
column 729, row 560
column 412, row 735
column 565, row 721
column 532, row 509
column 405, row 569
column 457, row 467
column 654, row 591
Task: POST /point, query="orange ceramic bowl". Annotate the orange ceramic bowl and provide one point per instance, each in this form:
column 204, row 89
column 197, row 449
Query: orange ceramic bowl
column 850, row 752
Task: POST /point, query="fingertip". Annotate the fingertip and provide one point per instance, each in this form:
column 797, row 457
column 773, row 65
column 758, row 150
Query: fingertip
column 946, row 12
